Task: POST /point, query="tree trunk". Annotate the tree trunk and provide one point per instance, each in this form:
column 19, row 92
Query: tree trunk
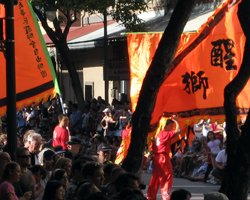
column 154, row 78
column 235, row 183
column 69, row 63
column 59, row 38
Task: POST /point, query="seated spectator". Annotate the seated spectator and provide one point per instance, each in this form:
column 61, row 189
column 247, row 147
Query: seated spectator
column 131, row 194
column 193, row 158
column 33, row 141
column 54, row 190
column 110, row 184
column 74, row 145
column 214, row 146
column 59, row 153
column 61, row 176
column 11, row 174
column 215, row 196
column 48, row 164
column 108, row 168
column 93, row 172
column 97, row 196
column 48, row 160
column 199, row 173
column 104, row 153
column 127, row 180
column 27, row 135
column 85, row 190
column 180, row 194
column 3, row 141
column 39, row 173
column 76, row 178
column 220, row 164
column 4, row 159
column 64, row 163
column 26, row 182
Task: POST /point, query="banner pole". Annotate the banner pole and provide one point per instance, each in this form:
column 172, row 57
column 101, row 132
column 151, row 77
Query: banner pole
column 10, row 80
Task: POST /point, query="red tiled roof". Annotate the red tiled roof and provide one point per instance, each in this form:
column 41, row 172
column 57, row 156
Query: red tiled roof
column 76, row 32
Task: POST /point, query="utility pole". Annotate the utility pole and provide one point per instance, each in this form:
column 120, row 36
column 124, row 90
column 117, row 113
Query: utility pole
column 105, row 56
column 10, row 79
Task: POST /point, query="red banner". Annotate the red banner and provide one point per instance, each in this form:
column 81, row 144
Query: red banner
column 34, row 70
column 206, row 61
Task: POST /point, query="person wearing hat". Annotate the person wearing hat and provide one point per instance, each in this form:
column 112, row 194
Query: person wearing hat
column 49, row 159
column 74, row 145
column 107, row 122
column 48, row 164
column 104, row 153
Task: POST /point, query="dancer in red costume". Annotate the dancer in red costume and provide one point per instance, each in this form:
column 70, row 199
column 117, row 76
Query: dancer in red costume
column 162, row 174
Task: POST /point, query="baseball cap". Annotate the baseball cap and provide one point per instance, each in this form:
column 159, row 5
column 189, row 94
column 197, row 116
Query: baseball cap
column 104, row 147
column 74, row 140
column 48, row 154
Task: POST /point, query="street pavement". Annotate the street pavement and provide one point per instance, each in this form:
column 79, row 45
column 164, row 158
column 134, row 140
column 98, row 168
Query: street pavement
column 197, row 189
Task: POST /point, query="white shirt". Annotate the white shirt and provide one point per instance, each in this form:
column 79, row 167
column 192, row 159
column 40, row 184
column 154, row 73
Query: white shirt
column 222, row 157
column 214, row 146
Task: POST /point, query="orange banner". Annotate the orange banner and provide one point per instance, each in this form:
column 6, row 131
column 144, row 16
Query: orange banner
column 35, row 80
column 206, row 61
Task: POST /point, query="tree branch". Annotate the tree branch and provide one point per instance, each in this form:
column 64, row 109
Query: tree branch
column 69, row 23
column 45, row 25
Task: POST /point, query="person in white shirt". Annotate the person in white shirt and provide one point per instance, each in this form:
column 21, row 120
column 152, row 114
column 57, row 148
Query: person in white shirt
column 220, row 164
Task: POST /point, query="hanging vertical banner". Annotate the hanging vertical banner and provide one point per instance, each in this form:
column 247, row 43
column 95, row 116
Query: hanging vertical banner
column 35, row 76
column 205, row 62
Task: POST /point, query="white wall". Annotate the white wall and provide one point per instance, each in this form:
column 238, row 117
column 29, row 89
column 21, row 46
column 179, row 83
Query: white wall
column 95, row 74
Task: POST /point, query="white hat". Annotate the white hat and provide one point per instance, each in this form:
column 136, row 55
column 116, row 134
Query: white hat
column 106, row 110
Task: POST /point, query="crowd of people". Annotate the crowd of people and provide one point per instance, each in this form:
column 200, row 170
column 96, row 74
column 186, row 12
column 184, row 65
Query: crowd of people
column 206, row 158
column 71, row 155
column 68, row 155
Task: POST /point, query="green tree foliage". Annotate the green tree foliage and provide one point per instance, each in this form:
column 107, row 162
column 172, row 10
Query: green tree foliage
column 124, row 12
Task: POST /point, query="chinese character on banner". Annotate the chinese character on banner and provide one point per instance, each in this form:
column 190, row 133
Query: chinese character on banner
column 222, row 52
column 194, row 82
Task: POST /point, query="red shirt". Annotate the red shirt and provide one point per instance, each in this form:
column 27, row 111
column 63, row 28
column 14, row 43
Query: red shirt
column 163, row 142
column 60, row 137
